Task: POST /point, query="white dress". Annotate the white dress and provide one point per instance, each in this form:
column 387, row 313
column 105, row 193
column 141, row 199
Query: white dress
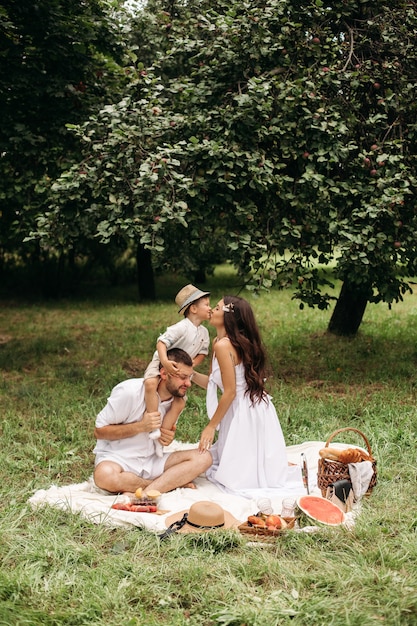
column 250, row 451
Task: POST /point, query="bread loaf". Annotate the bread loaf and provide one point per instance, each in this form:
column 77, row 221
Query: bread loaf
column 349, row 455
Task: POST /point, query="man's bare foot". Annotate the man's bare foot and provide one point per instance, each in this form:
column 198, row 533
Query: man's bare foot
column 190, row 485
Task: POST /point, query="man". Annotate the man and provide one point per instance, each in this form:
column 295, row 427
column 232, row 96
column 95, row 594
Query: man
column 125, row 454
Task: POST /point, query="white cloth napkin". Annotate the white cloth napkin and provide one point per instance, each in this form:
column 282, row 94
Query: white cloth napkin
column 360, row 476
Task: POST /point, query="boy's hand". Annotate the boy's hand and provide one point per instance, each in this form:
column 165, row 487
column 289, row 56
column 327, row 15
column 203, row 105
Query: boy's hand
column 171, row 368
column 151, row 421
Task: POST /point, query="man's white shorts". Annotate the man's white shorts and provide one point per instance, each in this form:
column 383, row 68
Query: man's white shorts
column 149, row 468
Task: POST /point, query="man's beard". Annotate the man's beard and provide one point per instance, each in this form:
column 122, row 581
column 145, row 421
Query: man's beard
column 174, row 391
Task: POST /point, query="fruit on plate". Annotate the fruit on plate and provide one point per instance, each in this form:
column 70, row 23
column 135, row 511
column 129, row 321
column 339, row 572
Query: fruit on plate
column 120, row 506
column 320, row 510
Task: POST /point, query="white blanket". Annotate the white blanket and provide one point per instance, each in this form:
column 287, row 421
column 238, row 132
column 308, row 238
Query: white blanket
column 84, row 498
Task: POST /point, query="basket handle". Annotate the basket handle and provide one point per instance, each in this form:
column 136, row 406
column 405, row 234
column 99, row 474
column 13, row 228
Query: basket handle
column 341, row 430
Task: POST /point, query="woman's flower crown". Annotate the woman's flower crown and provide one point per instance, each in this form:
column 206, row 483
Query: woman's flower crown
column 229, row 308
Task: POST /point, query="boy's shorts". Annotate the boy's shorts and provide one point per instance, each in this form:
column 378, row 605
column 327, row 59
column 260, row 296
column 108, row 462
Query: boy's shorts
column 152, row 371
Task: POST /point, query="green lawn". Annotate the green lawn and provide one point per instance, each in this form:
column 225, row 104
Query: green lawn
column 59, row 361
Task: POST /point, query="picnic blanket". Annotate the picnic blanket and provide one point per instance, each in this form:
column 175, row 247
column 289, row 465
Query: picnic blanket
column 85, row 499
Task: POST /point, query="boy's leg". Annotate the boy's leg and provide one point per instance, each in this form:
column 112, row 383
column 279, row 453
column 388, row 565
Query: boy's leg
column 151, row 396
column 171, row 417
column 151, row 401
column 169, row 422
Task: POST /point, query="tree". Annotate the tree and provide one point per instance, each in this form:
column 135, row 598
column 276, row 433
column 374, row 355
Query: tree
column 282, row 130
column 59, row 64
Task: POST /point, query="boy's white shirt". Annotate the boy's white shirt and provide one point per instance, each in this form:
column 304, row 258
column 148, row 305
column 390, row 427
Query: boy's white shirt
column 187, row 336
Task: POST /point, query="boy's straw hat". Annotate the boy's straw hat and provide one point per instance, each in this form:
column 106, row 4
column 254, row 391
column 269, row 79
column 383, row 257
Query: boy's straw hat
column 201, row 516
column 187, row 295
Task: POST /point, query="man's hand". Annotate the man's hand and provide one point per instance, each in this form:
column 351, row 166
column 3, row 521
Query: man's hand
column 167, row 436
column 151, row 421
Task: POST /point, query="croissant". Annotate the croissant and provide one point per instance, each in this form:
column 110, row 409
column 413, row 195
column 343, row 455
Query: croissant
column 349, row 455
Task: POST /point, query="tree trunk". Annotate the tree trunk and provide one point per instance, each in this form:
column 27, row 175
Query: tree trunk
column 53, row 284
column 146, row 282
column 349, row 310
column 200, row 276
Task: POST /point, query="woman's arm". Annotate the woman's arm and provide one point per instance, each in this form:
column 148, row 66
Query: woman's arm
column 200, row 379
column 226, row 357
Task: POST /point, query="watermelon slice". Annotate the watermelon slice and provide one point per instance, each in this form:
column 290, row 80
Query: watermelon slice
column 321, row 510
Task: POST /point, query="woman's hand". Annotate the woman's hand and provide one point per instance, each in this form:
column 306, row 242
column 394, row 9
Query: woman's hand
column 206, row 439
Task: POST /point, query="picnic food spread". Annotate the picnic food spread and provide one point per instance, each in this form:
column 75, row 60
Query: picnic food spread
column 309, row 509
column 140, row 502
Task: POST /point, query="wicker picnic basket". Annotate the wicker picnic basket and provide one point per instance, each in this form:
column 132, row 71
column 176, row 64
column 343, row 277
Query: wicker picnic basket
column 330, row 471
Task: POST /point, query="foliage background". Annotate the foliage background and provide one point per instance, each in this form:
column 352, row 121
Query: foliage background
column 276, row 135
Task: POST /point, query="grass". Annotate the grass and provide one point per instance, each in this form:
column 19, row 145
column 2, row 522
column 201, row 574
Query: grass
column 59, row 361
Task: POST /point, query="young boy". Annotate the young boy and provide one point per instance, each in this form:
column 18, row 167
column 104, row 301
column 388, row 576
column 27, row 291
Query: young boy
column 189, row 335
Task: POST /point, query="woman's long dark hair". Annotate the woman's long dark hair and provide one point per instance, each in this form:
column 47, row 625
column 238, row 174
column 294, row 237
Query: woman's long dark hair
column 244, row 335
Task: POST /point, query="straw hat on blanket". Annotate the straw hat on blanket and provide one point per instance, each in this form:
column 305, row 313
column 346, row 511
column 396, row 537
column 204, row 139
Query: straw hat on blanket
column 201, row 516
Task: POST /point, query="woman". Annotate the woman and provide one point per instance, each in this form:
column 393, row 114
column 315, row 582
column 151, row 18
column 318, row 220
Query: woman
column 250, row 450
